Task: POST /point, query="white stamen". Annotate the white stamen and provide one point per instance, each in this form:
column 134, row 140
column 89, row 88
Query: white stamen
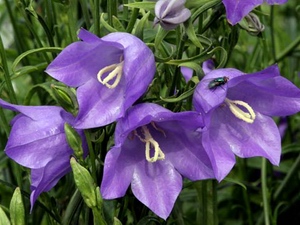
column 248, row 117
column 115, row 70
column 150, row 142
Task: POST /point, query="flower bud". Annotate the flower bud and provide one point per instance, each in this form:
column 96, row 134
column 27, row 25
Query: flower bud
column 252, row 24
column 16, row 208
column 170, row 13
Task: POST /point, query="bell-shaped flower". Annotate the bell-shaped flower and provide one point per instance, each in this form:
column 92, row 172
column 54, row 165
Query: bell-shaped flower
column 170, row 13
column 237, row 10
column 238, row 110
column 154, row 149
column 37, row 141
column 111, row 73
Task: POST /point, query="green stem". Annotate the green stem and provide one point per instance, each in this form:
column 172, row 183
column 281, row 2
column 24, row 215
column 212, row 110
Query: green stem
column 243, row 176
column 111, row 10
column 125, row 12
column 18, row 37
column 4, row 123
column 9, row 85
column 272, row 33
column 91, row 154
column 283, row 184
column 85, row 12
column 180, row 43
column 132, row 20
column 265, row 192
column 97, row 17
column 287, row 51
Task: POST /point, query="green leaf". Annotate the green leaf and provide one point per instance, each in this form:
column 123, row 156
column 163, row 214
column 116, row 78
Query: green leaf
column 190, row 31
column 194, row 66
column 180, row 98
column 149, row 6
column 106, row 25
column 139, row 30
column 84, row 183
column 230, row 180
column 16, row 208
column 25, row 54
column 118, row 25
column 3, row 218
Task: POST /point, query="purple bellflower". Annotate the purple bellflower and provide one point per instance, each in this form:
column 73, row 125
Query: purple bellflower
column 154, row 148
column 237, row 109
column 237, row 10
column 170, row 13
column 37, row 141
column 111, row 73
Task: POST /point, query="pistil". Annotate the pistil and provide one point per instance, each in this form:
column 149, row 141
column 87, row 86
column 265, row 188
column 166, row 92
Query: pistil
column 248, row 116
column 150, row 142
column 115, row 74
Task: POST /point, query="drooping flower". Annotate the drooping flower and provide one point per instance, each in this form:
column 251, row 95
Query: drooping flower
column 170, row 13
column 111, row 73
column 154, row 148
column 237, row 10
column 37, row 141
column 237, row 110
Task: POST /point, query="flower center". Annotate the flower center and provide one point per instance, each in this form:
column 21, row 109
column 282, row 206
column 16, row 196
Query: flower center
column 248, row 116
column 151, row 143
column 114, row 74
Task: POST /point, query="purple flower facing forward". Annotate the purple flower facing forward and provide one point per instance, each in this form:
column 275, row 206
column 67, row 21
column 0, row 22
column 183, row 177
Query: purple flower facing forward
column 237, row 10
column 238, row 108
column 111, row 73
column 170, row 13
column 154, row 148
column 37, row 141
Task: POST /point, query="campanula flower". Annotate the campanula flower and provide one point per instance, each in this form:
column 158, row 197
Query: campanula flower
column 238, row 110
column 155, row 148
column 237, row 10
column 170, row 13
column 37, row 141
column 110, row 74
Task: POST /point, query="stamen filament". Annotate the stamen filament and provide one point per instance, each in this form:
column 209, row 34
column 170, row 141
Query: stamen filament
column 115, row 70
column 248, row 117
column 150, row 142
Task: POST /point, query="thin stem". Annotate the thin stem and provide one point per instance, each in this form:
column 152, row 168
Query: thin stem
column 97, row 17
column 91, row 154
column 133, row 18
column 9, row 85
column 85, row 12
column 243, row 176
column 265, row 192
column 291, row 172
column 287, row 51
column 272, row 33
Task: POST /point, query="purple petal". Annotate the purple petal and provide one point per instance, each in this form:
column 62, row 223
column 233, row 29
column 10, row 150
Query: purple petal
column 260, row 138
column 81, row 61
column 157, row 185
column 184, row 150
column 103, row 106
column 237, row 10
column 273, row 2
column 46, row 178
column 206, row 98
column 117, row 164
column 208, row 66
column 79, row 64
column 186, row 72
column 267, row 92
